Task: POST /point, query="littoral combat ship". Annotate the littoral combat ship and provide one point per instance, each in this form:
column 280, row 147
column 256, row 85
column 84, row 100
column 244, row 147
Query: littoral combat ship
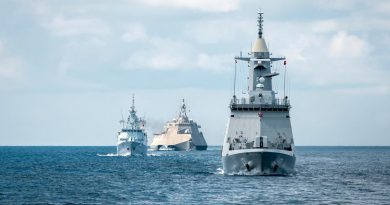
column 180, row 134
column 132, row 139
column 259, row 139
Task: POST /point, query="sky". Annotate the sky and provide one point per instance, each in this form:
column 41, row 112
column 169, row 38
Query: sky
column 68, row 69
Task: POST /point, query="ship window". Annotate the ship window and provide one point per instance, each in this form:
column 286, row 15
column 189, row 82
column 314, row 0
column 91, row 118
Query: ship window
column 231, row 115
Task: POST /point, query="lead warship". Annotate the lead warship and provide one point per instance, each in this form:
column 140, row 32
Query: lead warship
column 132, row 139
column 180, row 134
column 258, row 138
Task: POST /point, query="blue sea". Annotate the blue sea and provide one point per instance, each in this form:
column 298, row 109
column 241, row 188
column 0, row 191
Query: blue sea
column 94, row 175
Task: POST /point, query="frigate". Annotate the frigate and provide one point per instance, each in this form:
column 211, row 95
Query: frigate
column 180, row 134
column 132, row 139
column 259, row 139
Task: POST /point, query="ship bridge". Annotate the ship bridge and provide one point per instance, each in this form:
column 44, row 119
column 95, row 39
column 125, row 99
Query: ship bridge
column 276, row 105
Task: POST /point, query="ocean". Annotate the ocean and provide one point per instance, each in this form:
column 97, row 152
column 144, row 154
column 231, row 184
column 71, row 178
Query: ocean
column 94, row 175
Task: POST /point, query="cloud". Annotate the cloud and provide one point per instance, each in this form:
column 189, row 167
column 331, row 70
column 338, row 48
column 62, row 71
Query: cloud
column 220, row 30
column 202, row 5
column 10, row 67
column 215, row 62
column 61, row 26
column 382, row 7
column 369, row 90
column 169, row 54
column 68, row 20
column 325, row 26
column 328, row 58
column 163, row 54
column 134, row 33
column 344, row 45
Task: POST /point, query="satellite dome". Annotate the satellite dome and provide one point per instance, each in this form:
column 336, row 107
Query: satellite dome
column 261, row 79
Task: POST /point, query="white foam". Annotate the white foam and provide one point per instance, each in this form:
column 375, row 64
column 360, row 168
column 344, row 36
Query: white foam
column 220, row 171
column 108, row 155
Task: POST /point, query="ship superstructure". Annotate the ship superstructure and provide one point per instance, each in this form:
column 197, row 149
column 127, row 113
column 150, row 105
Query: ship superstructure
column 258, row 138
column 132, row 139
column 180, row 134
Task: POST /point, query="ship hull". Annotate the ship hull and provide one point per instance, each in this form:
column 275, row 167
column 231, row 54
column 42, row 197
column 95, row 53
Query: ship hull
column 129, row 148
column 184, row 146
column 259, row 163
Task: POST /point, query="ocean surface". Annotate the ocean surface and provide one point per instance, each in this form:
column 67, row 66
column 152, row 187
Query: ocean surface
column 94, row 175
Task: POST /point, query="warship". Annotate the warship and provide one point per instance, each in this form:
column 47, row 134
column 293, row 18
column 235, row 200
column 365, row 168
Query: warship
column 258, row 138
column 180, row 134
column 132, row 139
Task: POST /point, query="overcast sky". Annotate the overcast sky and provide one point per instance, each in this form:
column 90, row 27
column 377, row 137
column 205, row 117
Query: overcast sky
column 68, row 68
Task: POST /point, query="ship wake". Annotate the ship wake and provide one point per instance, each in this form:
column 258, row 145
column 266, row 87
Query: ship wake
column 108, row 155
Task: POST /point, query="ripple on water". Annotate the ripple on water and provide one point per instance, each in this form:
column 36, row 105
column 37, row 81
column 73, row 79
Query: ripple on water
column 88, row 175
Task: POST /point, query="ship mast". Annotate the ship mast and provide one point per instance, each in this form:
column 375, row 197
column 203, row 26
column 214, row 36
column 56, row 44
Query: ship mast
column 132, row 106
column 260, row 24
column 260, row 73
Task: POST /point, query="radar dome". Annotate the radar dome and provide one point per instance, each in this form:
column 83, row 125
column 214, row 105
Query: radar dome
column 261, row 79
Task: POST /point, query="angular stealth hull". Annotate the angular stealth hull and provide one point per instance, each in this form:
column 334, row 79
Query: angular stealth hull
column 259, row 162
column 129, row 148
column 180, row 134
column 184, row 146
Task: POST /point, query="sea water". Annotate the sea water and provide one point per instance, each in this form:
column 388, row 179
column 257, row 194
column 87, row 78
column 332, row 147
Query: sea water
column 95, row 175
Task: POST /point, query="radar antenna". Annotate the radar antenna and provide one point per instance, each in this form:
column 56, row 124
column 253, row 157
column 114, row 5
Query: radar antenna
column 260, row 24
column 132, row 106
column 122, row 121
column 183, row 112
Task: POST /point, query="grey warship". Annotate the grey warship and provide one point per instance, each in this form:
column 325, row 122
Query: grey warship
column 132, row 139
column 259, row 138
column 180, row 134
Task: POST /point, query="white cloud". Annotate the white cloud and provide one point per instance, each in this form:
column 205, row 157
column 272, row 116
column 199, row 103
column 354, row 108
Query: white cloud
column 164, row 54
column 168, row 54
column 134, row 33
column 325, row 26
column 202, row 5
column 10, row 67
column 332, row 60
column 369, row 90
column 342, row 5
column 343, row 45
column 215, row 62
column 219, row 30
column 382, row 7
column 61, row 26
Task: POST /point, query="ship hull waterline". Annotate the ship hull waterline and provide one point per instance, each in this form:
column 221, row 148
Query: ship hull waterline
column 259, row 162
column 184, row 146
column 130, row 148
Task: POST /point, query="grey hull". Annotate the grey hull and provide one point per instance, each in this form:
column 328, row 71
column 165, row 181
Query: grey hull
column 258, row 163
column 131, row 148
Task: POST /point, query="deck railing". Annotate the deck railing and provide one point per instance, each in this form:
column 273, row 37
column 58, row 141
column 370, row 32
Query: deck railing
column 244, row 101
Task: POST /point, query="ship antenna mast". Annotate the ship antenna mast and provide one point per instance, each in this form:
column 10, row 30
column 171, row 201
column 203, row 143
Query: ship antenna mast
column 122, row 121
column 260, row 24
column 132, row 106
column 234, row 85
column 183, row 111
